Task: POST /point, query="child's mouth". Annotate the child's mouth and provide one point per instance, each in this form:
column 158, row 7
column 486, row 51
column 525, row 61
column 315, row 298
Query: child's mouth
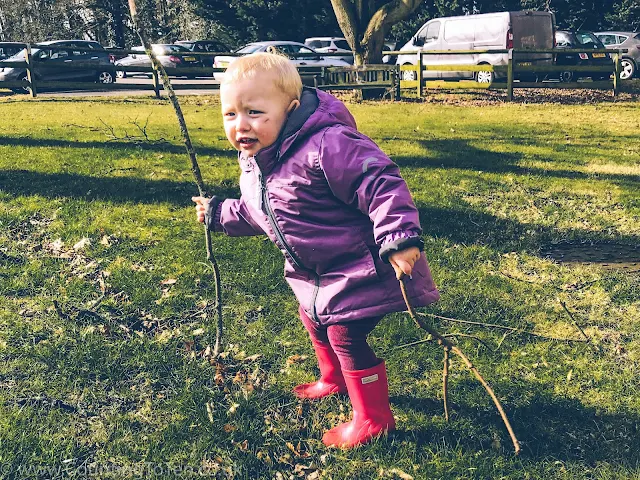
column 247, row 142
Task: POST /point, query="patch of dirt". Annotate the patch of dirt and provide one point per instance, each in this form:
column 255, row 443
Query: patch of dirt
column 611, row 256
column 526, row 96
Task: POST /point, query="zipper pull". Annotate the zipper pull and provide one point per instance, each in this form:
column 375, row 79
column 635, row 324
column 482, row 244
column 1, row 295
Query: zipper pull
column 262, row 191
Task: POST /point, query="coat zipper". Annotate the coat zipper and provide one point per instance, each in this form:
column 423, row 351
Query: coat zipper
column 280, row 236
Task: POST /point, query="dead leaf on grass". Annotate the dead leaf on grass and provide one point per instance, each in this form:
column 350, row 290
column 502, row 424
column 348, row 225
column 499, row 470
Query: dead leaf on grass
column 296, row 359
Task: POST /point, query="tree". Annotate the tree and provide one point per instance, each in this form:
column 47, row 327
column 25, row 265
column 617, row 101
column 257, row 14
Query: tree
column 365, row 23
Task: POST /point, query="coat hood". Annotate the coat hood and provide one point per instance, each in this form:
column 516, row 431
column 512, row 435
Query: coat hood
column 317, row 110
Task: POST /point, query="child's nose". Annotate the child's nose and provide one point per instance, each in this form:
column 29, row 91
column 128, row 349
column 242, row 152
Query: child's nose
column 242, row 122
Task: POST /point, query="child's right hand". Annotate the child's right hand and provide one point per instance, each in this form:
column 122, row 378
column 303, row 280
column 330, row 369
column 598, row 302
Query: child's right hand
column 201, row 207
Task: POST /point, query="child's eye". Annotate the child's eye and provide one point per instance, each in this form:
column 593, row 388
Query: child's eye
column 254, row 112
column 229, row 114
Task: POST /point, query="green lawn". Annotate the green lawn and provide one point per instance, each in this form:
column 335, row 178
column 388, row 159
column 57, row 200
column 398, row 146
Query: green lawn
column 125, row 386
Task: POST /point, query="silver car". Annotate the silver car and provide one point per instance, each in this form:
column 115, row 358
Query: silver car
column 630, row 61
column 170, row 56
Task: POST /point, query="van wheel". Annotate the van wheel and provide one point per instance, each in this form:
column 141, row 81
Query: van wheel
column 409, row 75
column 485, row 77
column 627, row 69
column 566, row 77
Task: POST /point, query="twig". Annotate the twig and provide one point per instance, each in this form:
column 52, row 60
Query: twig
column 446, row 343
column 574, row 320
column 503, row 327
column 445, row 384
column 449, row 335
column 195, row 168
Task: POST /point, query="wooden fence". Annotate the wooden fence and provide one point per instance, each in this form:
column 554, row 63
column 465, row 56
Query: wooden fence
column 511, row 70
column 386, row 77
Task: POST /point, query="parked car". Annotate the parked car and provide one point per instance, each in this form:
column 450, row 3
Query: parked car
column 630, row 61
column 489, row 31
column 579, row 40
column 169, row 55
column 9, row 49
column 53, row 61
column 204, row 46
column 331, row 45
column 390, row 46
column 299, row 53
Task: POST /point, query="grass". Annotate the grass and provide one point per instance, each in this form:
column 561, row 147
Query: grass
column 130, row 389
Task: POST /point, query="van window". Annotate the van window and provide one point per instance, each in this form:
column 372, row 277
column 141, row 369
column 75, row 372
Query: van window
column 342, row 44
column 458, row 31
column 433, row 30
column 621, row 39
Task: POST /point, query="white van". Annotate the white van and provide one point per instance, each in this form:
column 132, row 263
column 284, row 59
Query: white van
column 488, row 31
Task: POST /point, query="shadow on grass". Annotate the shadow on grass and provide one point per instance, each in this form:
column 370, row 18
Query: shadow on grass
column 468, row 226
column 153, row 146
column 549, row 427
column 459, row 154
column 112, row 189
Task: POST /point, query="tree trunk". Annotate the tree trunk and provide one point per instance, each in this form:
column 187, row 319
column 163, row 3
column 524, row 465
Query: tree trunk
column 364, row 27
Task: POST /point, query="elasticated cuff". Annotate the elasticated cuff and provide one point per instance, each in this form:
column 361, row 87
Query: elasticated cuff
column 212, row 214
column 400, row 244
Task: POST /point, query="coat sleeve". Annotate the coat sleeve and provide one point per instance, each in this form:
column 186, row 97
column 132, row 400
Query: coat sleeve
column 362, row 176
column 232, row 217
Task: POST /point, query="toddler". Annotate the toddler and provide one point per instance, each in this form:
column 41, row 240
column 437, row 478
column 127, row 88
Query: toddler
column 343, row 217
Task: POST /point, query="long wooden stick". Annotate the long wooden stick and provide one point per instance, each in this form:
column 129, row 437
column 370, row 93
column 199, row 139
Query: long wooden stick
column 195, row 169
column 448, row 345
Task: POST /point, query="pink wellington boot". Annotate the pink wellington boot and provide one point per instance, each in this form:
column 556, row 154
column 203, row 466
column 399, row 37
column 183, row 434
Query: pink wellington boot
column 331, row 379
column 369, row 393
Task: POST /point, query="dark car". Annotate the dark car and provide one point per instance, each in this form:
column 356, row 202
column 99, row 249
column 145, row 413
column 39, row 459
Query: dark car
column 9, row 49
column 55, row 61
column 204, row 46
column 581, row 40
column 169, row 55
column 629, row 61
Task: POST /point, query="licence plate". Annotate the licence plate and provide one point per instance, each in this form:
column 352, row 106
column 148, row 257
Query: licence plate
column 525, row 64
column 599, row 55
column 189, row 59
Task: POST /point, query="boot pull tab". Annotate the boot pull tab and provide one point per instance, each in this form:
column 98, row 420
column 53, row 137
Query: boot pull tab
column 370, row 379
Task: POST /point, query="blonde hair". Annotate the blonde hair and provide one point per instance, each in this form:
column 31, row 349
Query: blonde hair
column 286, row 75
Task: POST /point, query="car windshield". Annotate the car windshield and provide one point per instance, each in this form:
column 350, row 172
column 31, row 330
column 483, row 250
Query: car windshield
column 589, row 40
column 252, row 47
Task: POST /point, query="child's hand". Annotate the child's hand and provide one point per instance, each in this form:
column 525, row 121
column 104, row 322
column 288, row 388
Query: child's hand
column 201, row 207
column 404, row 260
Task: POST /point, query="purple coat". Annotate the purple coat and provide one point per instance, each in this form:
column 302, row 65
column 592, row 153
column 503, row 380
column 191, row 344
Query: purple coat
column 336, row 206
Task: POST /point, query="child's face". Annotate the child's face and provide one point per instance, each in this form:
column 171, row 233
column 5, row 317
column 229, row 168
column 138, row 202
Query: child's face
column 254, row 111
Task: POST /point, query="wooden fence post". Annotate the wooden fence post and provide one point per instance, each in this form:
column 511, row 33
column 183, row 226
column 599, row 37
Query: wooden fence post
column 419, row 75
column 30, row 73
column 156, row 83
column 510, row 76
column 616, row 74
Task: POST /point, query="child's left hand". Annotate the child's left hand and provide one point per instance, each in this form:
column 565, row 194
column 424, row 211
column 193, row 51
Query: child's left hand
column 404, row 260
